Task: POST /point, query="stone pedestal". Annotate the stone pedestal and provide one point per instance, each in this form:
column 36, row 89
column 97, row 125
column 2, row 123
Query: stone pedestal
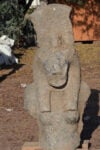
column 31, row 146
column 35, row 146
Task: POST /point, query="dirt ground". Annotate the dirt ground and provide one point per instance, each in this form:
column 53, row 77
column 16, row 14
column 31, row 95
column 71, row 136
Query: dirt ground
column 17, row 126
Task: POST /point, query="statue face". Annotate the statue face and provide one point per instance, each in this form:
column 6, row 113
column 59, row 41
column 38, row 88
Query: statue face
column 56, row 68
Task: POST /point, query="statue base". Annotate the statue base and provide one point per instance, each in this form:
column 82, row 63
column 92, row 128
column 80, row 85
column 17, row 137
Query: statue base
column 35, row 146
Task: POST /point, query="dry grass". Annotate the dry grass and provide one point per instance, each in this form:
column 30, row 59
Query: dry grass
column 89, row 54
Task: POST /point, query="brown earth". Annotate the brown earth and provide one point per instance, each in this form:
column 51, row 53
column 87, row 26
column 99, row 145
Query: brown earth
column 17, row 126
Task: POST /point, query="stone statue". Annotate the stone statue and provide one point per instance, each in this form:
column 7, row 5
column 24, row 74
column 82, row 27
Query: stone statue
column 55, row 96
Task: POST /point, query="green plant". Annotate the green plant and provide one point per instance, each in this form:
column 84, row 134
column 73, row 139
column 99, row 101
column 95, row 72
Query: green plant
column 13, row 23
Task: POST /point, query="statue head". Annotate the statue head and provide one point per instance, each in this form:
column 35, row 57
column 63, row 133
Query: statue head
column 56, row 68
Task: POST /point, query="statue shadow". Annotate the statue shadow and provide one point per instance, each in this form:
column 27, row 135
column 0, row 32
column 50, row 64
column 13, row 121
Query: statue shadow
column 91, row 119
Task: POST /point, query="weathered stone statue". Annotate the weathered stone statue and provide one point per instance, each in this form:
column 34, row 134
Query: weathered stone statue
column 55, row 95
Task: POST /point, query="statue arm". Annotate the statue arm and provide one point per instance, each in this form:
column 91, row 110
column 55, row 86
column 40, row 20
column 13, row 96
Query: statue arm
column 73, row 85
column 44, row 98
column 43, row 90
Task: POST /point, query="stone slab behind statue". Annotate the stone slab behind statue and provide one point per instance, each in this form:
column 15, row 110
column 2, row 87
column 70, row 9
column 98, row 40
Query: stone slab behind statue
column 57, row 93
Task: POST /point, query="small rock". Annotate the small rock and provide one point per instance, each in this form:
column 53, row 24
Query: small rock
column 9, row 109
column 23, row 85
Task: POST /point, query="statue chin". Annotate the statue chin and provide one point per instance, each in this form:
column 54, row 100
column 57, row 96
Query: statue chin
column 57, row 82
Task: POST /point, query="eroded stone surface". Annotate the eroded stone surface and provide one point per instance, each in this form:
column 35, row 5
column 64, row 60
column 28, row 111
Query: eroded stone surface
column 55, row 96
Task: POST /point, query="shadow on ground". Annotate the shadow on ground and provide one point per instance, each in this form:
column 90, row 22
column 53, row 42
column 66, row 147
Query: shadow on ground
column 91, row 118
column 13, row 68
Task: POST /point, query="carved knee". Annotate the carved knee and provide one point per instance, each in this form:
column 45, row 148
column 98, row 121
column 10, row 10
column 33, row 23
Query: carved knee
column 71, row 117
